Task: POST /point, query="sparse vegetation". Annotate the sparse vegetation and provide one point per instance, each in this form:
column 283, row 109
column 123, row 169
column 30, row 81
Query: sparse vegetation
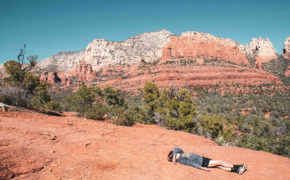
column 22, row 88
column 231, row 119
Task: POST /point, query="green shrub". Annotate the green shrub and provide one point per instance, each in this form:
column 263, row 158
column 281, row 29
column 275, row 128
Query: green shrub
column 87, row 94
column 212, row 126
column 53, row 106
column 97, row 112
column 74, row 102
column 113, row 97
column 150, row 94
column 41, row 97
column 218, row 128
column 123, row 117
column 82, row 100
column 177, row 109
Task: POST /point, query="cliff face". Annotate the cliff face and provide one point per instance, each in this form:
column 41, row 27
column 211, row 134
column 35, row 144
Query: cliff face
column 195, row 49
column 195, row 45
column 261, row 50
column 286, row 50
column 63, row 61
column 55, row 77
column 198, row 45
column 84, row 72
column 146, row 47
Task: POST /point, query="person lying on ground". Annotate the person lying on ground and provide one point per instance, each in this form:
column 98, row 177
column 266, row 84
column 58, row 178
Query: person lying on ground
column 200, row 162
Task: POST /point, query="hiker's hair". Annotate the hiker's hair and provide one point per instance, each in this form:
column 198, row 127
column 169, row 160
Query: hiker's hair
column 170, row 156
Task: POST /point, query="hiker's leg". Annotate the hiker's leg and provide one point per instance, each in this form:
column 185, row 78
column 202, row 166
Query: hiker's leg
column 225, row 168
column 216, row 163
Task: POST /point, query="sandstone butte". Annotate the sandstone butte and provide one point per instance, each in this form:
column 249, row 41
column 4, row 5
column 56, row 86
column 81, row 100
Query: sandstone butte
column 37, row 146
column 101, row 56
column 202, row 45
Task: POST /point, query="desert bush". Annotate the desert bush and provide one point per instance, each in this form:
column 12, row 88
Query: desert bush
column 74, row 102
column 123, row 117
column 150, row 94
column 113, row 97
column 212, row 126
column 53, row 106
column 41, row 97
column 87, row 94
column 15, row 96
column 19, row 70
column 217, row 128
column 97, row 112
column 177, row 109
column 80, row 101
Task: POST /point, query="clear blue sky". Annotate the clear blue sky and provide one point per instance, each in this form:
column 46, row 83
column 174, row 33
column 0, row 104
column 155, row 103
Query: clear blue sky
column 51, row 26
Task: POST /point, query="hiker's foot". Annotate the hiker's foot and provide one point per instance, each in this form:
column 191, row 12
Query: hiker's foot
column 242, row 169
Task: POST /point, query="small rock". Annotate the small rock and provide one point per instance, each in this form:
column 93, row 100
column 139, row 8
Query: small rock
column 53, row 137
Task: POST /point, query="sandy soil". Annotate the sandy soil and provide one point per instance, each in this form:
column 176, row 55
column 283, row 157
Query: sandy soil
column 37, row 146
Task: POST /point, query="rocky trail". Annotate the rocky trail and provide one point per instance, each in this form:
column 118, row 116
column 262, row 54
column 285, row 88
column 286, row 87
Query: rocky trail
column 37, row 146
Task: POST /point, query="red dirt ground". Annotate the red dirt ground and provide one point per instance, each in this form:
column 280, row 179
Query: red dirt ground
column 37, row 146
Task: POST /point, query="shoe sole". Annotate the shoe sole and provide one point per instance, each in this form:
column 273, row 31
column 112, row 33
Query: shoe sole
column 244, row 169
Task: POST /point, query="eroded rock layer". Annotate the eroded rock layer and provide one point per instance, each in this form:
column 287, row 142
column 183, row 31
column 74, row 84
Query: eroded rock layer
column 197, row 45
column 132, row 78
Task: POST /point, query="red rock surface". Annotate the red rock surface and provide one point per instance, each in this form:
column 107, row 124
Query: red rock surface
column 134, row 77
column 84, row 72
column 130, row 78
column 36, row 146
column 51, row 76
column 205, row 46
column 260, row 60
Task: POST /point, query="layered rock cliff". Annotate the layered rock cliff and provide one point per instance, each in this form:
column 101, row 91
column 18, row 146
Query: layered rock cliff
column 146, row 47
column 195, row 45
column 63, row 61
column 191, row 49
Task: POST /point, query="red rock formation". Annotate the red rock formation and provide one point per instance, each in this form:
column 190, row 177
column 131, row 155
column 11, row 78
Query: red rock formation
column 134, row 77
column 261, row 50
column 54, row 77
column 194, row 45
column 84, row 72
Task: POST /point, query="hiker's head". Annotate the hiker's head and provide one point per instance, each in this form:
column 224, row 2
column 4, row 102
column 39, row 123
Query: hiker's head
column 170, row 156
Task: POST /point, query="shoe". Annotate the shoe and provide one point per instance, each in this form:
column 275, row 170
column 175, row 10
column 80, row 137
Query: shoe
column 242, row 169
